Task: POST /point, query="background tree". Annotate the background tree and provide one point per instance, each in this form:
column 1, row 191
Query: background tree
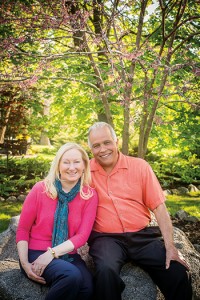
column 133, row 58
column 14, row 112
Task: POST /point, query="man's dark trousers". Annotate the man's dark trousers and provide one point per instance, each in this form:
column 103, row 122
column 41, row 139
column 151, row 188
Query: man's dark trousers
column 144, row 248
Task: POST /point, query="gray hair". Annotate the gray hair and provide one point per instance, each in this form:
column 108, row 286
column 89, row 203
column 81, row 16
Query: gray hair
column 101, row 125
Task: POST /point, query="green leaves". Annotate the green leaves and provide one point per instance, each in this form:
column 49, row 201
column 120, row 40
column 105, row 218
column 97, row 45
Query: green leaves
column 124, row 63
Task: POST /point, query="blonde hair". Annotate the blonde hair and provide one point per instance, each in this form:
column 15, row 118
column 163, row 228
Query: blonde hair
column 54, row 172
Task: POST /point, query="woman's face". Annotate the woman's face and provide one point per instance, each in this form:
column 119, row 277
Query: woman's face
column 71, row 166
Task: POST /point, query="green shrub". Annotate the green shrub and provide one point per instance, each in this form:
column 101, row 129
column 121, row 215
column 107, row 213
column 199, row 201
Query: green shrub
column 39, row 149
column 19, row 174
column 6, row 188
column 175, row 171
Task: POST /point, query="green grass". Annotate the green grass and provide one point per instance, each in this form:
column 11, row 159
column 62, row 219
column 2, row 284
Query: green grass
column 188, row 203
column 173, row 203
column 7, row 211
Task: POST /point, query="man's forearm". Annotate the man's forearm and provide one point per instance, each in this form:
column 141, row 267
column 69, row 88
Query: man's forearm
column 165, row 224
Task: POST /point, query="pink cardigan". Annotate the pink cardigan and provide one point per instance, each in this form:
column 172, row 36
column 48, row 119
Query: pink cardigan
column 37, row 216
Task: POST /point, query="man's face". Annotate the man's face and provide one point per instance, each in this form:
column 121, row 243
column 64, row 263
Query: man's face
column 104, row 148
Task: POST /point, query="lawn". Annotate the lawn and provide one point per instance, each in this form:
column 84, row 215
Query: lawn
column 8, row 210
column 188, row 203
column 174, row 203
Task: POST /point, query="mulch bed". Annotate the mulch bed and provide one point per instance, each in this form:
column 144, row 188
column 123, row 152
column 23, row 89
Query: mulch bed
column 191, row 229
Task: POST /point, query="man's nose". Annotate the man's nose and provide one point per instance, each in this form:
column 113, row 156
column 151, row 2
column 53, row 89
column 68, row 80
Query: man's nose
column 102, row 148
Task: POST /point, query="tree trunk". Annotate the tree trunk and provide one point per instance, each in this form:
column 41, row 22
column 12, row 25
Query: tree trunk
column 3, row 127
column 141, row 152
column 75, row 21
column 44, row 140
column 102, row 117
column 99, row 84
column 125, row 134
column 129, row 82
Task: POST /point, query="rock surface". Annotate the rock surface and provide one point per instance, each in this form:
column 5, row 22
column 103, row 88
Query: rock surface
column 139, row 286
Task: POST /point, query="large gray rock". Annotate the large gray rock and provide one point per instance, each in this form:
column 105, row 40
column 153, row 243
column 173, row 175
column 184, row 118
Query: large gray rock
column 139, row 286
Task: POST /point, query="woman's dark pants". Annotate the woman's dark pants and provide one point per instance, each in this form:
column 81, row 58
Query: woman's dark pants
column 67, row 280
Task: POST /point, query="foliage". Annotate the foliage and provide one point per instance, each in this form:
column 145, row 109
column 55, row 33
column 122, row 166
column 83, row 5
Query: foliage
column 127, row 63
column 15, row 111
column 44, row 151
column 178, row 128
column 175, row 171
column 20, row 174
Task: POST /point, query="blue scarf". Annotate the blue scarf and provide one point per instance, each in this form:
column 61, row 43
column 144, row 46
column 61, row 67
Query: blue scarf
column 60, row 229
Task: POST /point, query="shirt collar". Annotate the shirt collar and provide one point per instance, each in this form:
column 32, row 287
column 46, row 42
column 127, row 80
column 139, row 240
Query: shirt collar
column 121, row 164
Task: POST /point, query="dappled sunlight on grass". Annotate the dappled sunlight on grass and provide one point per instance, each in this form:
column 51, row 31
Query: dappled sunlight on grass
column 4, row 217
column 189, row 204
column 8, row 210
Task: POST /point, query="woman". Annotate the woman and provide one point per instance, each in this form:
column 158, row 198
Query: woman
column 56, row 219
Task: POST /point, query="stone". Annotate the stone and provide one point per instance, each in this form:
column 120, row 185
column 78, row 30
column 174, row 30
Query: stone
column 175, row 192
column 192, row 219
column 11, row 199
column 197, row 247
column 21, row 198
column 13, row 285
column 167, row 192
column 192, row 257
column 183, row 190
column 181, row 215
column 2, row 199
column 192, row 188
column 139, row 286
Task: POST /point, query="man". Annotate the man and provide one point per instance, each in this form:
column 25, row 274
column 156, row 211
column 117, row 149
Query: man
column 128, row 190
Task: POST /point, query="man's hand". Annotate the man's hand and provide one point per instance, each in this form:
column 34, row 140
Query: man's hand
column 165, row 224
column 173, row 254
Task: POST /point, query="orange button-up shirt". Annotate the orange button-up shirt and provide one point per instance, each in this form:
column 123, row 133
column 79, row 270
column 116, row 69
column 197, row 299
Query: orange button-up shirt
column 125, row 195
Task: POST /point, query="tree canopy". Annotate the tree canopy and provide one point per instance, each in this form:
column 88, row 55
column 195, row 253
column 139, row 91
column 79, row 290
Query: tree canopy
column 133, row 64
